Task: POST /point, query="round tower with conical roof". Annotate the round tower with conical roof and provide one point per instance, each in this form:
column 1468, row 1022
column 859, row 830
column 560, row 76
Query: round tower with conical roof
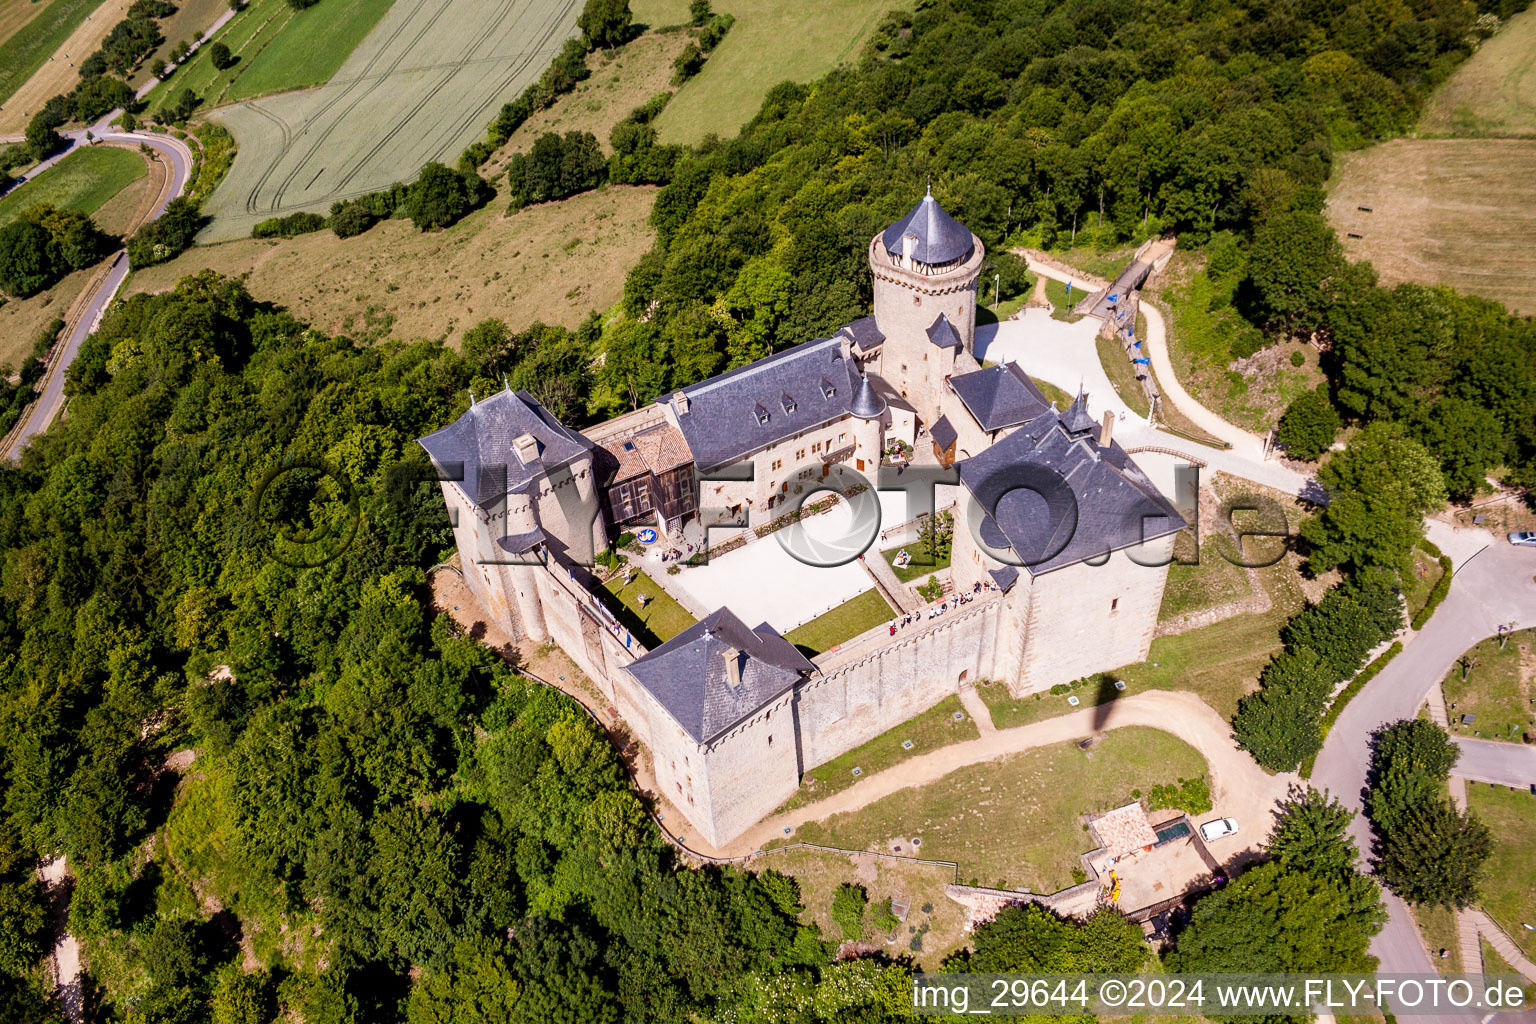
column 925, row 268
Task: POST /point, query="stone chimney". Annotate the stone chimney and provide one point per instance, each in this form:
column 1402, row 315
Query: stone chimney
column 1107, row 434
column 732, row 667
column 527, row 448
column 680, row 403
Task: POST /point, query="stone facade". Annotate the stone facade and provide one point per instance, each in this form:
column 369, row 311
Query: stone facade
column 524, row 546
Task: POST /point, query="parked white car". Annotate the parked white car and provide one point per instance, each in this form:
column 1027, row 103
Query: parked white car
column 1218, row 829
column 1523, row 538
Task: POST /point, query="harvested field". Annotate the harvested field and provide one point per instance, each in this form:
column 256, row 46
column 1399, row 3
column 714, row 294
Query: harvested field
column 1459, row 212
column 622, row 80
column 772, row 40
column 553, row 262
column 277, row 49
column 42, row 59
column 419, row 88
column 1494, row 93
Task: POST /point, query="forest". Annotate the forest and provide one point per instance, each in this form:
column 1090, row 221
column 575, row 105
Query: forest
column 382, row 822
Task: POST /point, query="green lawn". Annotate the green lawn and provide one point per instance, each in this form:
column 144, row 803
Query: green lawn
column 1053, row 393
column 660, row 620
column 34, row 42
column 771, row 41
column 82, row 181
column 1213, row 581
column 1009, row 711
column 1438, row 926
column 1061, row 303
column 922, row 563
column 278, row 49
column 930, row 730
column 1493, row 963
column 1122, row 374
column 844, row 622
column 1015, row 822
column 1426, row 572
column 1509, row 889
column 1494, row 691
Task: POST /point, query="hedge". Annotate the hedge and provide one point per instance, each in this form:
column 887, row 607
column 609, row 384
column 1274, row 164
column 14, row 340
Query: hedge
column 1441, row 588
column 1346, row 695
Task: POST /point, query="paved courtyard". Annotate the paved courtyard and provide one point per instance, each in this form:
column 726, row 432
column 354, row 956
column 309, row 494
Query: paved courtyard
column 763, row 582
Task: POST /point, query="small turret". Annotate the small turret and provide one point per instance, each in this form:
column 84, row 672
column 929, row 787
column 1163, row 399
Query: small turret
column 867, row 403
column 1076, row 419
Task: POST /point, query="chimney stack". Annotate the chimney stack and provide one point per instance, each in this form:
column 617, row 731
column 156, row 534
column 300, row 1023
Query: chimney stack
column 732, row 667
column 680, row 403
column 1107, row 434
column 527, row 448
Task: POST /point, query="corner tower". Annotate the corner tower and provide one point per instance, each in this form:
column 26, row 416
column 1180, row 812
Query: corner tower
column 925, row 268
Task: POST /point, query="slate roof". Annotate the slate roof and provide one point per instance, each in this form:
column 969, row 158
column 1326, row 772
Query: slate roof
column 942, row 333
column 745, row 410
column 943, row 433
column 1057, row 498
column 940, row 238
column 864, row 334
column 1000, row 396
column 687, row 674
column 1077, row 419
column 1005, row 577
column 480, row 441
column 867, row 403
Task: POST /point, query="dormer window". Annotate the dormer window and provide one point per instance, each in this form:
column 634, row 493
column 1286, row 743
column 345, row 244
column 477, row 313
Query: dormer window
column 761, row 413
column 788, row 403
column 827, row 388
column 628, row 446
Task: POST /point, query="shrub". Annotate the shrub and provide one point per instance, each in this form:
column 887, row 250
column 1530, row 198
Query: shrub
column 1191, row 795
column 687, row 64
column 699, row 12
column 556, row 167
column 1441, row 588
column 167, row 236
column 1297, row 359
column 605, row 22
column 287, row 227
column 219, row 56
column 440, row 196
column 884, row 919
column 1309, row 425
column 848, row 905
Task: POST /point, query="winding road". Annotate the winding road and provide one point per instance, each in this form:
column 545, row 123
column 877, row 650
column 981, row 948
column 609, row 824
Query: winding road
column 179, row 159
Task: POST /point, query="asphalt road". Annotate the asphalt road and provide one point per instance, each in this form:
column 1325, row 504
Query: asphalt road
column 1504, row 764
column 52, row 400
column 1492, row 588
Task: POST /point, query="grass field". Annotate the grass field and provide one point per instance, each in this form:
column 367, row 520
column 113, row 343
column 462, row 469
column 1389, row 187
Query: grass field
column 844, row 622
column 82, row 181
column 771, row 41
column 935, row 921
column 1016, row 822
column 40, row 60
column 420, row 87
column 1459, row 212
column 1426, row 572
column 1438, row 926
column 1212, row 581
column 937, row 727
column 1494, row 93
column 1498, row 690
column 660, row 619
column 622, row 79
column 1062, row 301
column 922, row 564
column 1508, row 894
column 554, row 262
column 278, row 49
column 191, row 20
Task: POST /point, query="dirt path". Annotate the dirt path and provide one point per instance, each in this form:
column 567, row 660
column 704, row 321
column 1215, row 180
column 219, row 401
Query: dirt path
column 66, row 950
column 60, row 72
column 1239, row 788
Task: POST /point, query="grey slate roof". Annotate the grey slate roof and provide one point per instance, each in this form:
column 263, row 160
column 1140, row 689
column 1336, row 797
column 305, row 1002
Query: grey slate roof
column 687, row 674
column 940, row 238
column 867, row 403
column 943, row 334
column 1000, row 396
column 943, row 433
column 1005, row 577
column 1077, row 419
column 1057, row 499
column 480, row 442
column 744, row 410
column 863, row 333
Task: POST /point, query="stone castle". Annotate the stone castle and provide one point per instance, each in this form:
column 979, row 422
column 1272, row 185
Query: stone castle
column 1062, row 535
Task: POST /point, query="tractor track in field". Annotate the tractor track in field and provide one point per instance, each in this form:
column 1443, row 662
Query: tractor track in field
column 380, row 54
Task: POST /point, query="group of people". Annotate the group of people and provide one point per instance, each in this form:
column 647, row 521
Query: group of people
column 955, row 601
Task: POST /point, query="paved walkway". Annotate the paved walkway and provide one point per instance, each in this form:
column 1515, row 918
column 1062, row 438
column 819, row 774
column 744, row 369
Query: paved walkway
column 891, row 588
column 1495, row 761
column 1466, row 941
column 1239, row 787
column 977, row 709
column 1501, row 943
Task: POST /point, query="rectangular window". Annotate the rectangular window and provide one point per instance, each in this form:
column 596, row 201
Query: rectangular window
column 777, row 464
column 842, row 438
column 1114, row 603
column 799, row 454
column 816, row 446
